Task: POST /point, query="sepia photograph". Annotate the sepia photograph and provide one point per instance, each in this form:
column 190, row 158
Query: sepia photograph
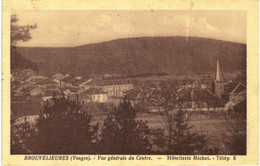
column 128, row 82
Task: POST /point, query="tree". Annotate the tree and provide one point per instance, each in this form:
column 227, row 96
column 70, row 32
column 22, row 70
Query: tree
column 235, row 135
column 177, row 137
column 20, row 33
column 123, row 134
column 63, row 127
column 181, row 140
column 21, row 135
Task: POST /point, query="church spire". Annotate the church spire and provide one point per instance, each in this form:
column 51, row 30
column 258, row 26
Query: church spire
column 218, row 74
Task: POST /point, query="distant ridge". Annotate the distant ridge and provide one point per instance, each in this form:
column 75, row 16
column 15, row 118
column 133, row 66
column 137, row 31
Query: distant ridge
column 174, row 55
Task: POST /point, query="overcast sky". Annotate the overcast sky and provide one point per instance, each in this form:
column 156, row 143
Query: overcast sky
column 73, row 28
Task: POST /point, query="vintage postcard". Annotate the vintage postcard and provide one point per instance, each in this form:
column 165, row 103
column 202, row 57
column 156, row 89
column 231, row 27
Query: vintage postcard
column 130, row 82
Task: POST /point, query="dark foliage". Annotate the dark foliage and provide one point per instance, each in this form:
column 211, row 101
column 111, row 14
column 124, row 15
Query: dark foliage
column 19, row 62
column 178, row 138
column 21, row 135
column 63, row 127
column 20, row 33
column 235, row 137
column 123, row 134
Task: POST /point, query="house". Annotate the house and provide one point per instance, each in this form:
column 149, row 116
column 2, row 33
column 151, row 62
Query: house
column 36, row 91
column 79, row 82
column 26, row 90
column 81, row 98
column 197, row 98
column 114, row 100
column 46, row 83
column 69, row 90
column 66, row 91
column 94, row 95
column 83, row 88
column 50, row 93
column 114, row 88
column 185, row 84
column 143, row 98
column 71, row 81
column 67, row 81
column 159, row 96
column 58, row 76
column 228, row 88
column 149, row 106
column 236, row 96
column 22, row 75
column 136, row 95
column 57, row 81
column 206, row 84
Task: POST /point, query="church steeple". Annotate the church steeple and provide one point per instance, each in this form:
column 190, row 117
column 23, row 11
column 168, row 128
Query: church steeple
column 219, row 83
column 218, row 74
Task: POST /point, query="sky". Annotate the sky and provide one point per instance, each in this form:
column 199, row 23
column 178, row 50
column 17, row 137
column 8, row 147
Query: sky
column 74, row 28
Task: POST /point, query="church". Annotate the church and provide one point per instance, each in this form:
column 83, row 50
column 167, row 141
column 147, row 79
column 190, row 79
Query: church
column 221, row 94
column 230, row 93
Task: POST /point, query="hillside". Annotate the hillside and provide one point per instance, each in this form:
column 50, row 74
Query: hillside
column 174, row 55
column 18, row 62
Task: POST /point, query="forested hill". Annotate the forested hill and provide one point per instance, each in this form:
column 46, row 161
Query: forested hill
column 18, row 62
column 174, row 55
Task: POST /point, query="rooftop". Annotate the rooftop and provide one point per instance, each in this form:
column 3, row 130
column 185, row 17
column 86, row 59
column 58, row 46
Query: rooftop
column 93, row 91
column 79, row 82
column 239, row 88
column 43, row 81
column 196, row 94
column 134, row 94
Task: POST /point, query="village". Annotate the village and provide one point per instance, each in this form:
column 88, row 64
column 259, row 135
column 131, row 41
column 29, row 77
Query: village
column 29, row 93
